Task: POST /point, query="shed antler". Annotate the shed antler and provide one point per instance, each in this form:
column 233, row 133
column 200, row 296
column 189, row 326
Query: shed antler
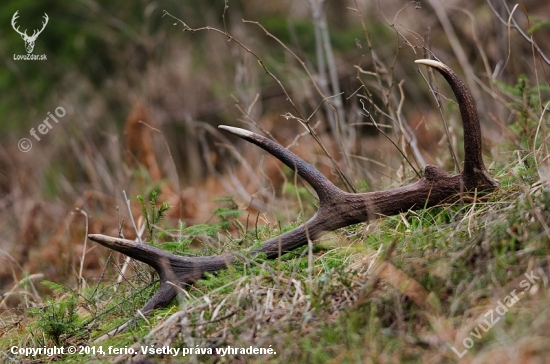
column 337, row 208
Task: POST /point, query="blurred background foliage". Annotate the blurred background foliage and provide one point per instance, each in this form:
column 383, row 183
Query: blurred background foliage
column 100, row 42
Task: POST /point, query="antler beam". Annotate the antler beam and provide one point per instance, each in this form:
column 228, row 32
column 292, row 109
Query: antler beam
column 337, row 208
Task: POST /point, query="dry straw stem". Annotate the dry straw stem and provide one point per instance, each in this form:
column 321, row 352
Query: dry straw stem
column 512, row 24
column 337, row 208
column 81, row 281
column 368, row 114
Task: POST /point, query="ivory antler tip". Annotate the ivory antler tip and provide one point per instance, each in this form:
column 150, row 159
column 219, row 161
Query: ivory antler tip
column 237, row 131
column 431, row 63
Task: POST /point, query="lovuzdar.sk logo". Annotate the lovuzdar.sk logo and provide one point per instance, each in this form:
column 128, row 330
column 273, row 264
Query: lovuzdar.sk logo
column 29, row 40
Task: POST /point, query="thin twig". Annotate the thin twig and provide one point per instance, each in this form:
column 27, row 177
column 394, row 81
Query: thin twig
column 127, row 260
column 457, row 49
column 368, row 114
column 262, row 64
column 81, row 281
column 514, row 25
column 127, row 202
column 349, row 186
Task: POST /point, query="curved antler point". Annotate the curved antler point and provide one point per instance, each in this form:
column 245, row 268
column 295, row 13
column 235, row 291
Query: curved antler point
column 237, row 131
column 431, row 63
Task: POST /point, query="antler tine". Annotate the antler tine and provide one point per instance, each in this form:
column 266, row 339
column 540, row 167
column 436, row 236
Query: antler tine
column 324, row 188
column 178, row 270
column 330, row 215
column 475, row 173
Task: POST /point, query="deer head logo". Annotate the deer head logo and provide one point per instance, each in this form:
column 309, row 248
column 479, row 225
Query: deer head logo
column 29, row 40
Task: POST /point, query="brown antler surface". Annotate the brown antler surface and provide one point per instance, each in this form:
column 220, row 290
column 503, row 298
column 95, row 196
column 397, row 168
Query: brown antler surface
column 337, row 208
